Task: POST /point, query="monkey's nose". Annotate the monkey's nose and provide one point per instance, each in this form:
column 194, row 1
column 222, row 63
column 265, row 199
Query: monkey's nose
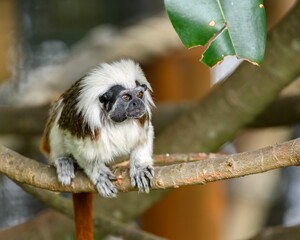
column 135, row 103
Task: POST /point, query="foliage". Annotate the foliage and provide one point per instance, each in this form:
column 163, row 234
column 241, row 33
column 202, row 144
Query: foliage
column 228, row 27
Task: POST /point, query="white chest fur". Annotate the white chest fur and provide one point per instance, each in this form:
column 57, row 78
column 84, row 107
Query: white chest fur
column 113, row 141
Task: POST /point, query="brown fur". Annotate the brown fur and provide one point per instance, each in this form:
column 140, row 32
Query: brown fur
column 71, row 120
column 143, row 119
column 45, row 144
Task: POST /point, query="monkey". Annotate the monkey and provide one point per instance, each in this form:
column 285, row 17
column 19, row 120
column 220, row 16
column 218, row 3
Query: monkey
column 103, row 115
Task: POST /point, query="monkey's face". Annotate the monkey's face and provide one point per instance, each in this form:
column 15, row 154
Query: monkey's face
column 122, row 104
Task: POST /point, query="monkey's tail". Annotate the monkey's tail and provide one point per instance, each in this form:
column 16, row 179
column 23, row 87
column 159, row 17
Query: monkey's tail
column 83, row 215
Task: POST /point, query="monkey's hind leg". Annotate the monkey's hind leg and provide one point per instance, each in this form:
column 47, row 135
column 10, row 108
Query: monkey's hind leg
column 65, row 169
column 102, row 177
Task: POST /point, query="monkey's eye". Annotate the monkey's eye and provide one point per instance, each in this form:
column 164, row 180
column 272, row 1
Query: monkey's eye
column 126, row 97
column 140, row 94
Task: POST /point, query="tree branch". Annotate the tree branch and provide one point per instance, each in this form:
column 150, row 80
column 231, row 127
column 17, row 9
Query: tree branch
column 283, row 112
column 278, row 233
column 23, row 120
column 31, row 172
column 31, row 120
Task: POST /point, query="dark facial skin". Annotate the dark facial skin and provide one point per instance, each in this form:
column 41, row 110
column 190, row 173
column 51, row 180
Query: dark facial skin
column 122, row 104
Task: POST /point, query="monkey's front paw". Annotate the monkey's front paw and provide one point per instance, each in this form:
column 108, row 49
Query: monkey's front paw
column 65, row 170
column 141, row 177
column 104, row 183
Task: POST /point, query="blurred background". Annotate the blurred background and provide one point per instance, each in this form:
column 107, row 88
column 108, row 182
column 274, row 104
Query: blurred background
column 47, row 45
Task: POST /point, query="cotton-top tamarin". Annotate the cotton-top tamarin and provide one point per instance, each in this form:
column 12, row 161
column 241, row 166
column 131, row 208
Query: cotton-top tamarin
column 104, row 115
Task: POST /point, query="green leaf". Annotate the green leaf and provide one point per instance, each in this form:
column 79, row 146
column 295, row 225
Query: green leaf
column 228, row 27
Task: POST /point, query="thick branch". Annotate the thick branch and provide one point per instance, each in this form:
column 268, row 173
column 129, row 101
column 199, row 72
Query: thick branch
column 101, row 223
column 283, row 112
column 278, row 233
column 23, row 120
column 28, row 171
column 31, row 120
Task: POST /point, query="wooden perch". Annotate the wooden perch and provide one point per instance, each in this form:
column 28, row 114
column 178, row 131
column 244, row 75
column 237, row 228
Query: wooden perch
column 187, row 169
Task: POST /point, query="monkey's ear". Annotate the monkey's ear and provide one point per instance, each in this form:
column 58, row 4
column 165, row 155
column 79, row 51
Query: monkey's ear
column 105, row 97
column 142, row 85
column 102, row 98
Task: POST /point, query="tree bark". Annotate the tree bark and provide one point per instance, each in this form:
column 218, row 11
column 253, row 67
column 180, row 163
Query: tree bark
column 278, row 233
column 284, row 111
column 190, row 170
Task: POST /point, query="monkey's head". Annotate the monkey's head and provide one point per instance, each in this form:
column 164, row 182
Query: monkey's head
column 114, row 92
column 121, row 103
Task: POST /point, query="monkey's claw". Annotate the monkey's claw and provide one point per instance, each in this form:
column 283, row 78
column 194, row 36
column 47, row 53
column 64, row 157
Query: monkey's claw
column 141, row 177
column 65, row 170
column 104, row 184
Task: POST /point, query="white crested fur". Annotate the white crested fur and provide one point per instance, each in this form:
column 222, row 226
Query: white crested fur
column 124, row 72
column 121, row 139
column 141, row 156
column 114, row 141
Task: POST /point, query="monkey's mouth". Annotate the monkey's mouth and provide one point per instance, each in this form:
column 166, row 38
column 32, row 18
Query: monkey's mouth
column 136, row 113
